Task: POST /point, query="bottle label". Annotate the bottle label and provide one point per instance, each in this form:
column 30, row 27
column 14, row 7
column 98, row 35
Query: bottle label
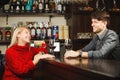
column 33, row 32
column 59, row 7
column 49, row 34
column 43, row 33
column 38, row 32
column 40, row 6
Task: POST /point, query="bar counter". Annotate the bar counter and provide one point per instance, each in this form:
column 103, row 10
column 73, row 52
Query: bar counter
column 77, row 69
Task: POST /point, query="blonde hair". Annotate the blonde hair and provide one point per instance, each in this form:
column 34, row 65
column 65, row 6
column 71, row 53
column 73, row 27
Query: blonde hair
column 14, row 39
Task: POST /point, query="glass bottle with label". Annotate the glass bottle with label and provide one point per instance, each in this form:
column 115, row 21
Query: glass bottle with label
column 28, row 7
column 55, row 32
column 7, row 33
column 49, row 30
column 46, row 4
column 40, row 6
column 52, row 5
column 35, row 6
column 59, row 7
column 22, row 6
column 44, row 31
column 38, row 32
column 63, row 7
column 33, row 31
column 12, row 6
column 18, row 6
column 1, row 34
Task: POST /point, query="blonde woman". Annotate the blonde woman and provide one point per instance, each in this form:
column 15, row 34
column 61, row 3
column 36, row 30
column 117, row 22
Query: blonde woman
column 20, row 57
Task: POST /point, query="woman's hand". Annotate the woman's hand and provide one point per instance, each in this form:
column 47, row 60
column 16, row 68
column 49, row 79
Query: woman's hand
column 39, row 56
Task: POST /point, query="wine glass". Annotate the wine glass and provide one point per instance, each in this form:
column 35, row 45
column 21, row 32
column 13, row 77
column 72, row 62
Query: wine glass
column 51, row 46
column 68, row 44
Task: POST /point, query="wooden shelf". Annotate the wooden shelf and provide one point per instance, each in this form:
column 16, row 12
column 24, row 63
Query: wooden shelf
column 3, row 13
column 5, row 42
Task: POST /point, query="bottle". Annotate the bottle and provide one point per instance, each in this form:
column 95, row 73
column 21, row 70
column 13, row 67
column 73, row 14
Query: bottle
column 35, row 6
column 23, row 6
column 55, row 32
column 1, row 34
column 8, row 33
column 0, row 58
column 59, row 7
column 6, row 8
column 49, row 30
column 41, row 25
column 38, row 32
column 46, row 8
column 40, row 6
column 63, row 7
column 18, row 6
column 12, row 6
column 44, row 31
column 52, row 6
column 28, row 6
column 33, row 32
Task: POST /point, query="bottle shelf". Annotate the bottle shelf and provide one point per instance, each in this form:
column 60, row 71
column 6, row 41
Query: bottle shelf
column 31, row 14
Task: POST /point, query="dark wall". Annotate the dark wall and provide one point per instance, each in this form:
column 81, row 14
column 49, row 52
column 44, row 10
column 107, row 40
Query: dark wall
column 2, row 2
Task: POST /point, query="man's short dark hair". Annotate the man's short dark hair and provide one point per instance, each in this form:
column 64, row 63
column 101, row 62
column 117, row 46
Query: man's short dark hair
column 101, row 16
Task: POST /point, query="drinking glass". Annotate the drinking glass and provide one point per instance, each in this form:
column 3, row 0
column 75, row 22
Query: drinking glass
column 51, row 46
column 68, row 44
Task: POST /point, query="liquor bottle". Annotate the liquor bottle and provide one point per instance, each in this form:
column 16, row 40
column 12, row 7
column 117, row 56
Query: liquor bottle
column 55, row 32
column 12, row 6
column 28, row 6
column 8, row 33
column 22, row 6
column 46, row 6
column 59, row 7
column 6, row 7
column 41, row 25
column 49, row 30
column 18, row 6
column 35, row 6
column 40, row 6
column 1, row 34
column 0, row 58
column 63, row 7
column 52, row 5
column 44, row 31
column 38, row 32
column 33, row 32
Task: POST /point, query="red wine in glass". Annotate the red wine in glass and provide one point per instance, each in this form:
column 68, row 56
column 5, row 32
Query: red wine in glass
column 52, row 47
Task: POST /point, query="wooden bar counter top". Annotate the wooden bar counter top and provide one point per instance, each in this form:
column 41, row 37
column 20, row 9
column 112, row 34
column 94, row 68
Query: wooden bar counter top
column 77, row 69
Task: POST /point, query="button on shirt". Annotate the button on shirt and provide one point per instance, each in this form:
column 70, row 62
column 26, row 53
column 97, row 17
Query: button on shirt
column 101, row 45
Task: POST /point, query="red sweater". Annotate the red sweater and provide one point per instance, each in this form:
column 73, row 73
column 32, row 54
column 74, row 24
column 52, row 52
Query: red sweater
column 19, row 61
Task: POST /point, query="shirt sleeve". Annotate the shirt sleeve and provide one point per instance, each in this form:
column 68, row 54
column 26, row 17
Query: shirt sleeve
column 109, row 43
column 43, row 49
column 91, row 45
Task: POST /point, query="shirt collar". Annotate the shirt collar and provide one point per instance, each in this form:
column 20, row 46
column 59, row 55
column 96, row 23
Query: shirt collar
column 103, row 34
